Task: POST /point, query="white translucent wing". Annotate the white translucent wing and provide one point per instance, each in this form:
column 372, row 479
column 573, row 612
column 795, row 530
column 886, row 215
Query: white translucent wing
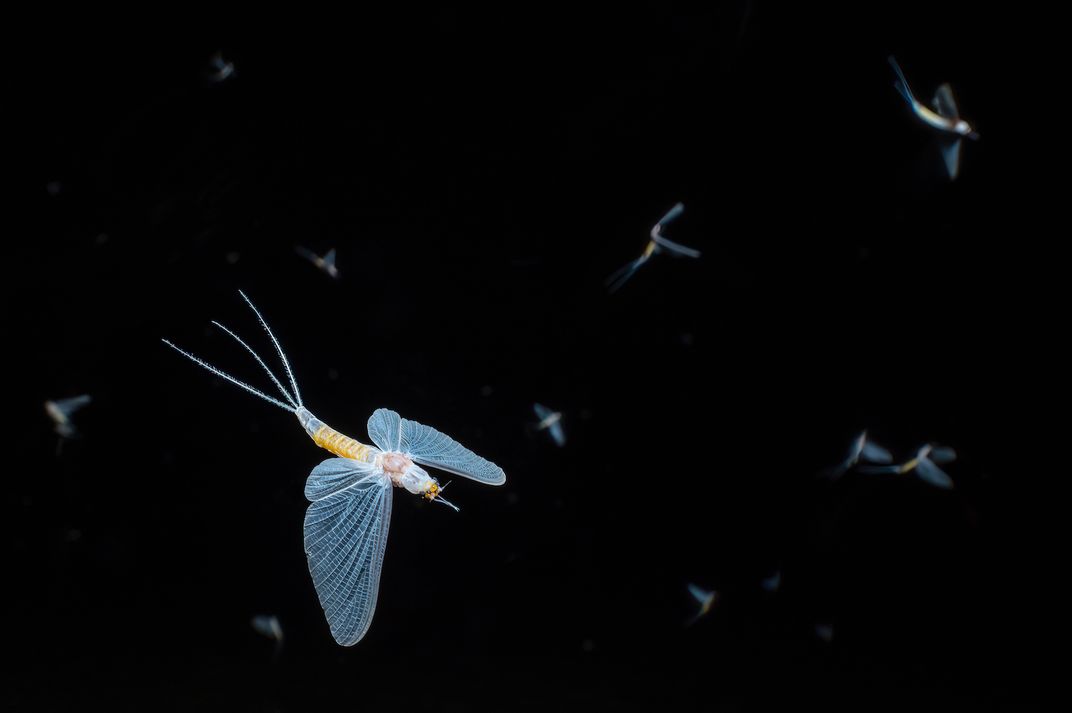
column 345, row 536
column 672, row 214
column 932, row 474
column 542, row 411
column 333, row 475
column 329, row 257
column 429, row 447
column 69, row 406
column 944, row 103
column 558, row 434
column 675, row 248
column 951, row 156
column 874, row 453
column 700, row 594
column 942, row 454
column 385, row 429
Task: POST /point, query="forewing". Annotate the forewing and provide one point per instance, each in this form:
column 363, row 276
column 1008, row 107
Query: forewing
column 942, row 454
column 541, row 411
column 558, row 434
column 429, row 447
column 951, row 156
column 385, row 429
column 932, row 474
column 335, row 475
column 874, row 453
column 944, row 103
column 345, row 537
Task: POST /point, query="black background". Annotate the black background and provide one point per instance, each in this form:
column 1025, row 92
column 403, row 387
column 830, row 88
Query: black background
column 480, row 176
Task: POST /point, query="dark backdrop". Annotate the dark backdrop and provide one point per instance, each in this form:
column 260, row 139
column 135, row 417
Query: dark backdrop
column 480, row 176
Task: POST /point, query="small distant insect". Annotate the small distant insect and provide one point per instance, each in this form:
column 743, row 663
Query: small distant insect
column 325, row 263
column 219, row 69
column 773, row 582
column 945, row 118
column 706, row 599
column 346, row 524
column 61, row 410
column 551, row 421
column 861, row 450
column 269, row 626
column 657, row 244
column 924, row 464
column 824, row 632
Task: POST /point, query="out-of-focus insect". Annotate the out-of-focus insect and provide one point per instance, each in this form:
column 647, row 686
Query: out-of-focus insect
column 773, row 582
column 706, row 599
column 657, row 244
column 824, row 632
column 61, row 410
column 219, row 69
column 944, row 117
column 550, row 421
column 924, row 464
column 346, row 524
column 325, row 263
column 862, row 450
column 269, row 627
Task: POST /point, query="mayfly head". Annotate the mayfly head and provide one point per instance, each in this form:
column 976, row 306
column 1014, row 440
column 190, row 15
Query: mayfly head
column 434, row 494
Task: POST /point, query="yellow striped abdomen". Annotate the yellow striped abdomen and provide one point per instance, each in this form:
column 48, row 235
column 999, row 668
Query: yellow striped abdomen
column 340, row 444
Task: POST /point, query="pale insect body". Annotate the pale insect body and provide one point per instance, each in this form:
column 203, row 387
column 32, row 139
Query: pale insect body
column 657, row 243
column 347, row 521
column 944, row 117
column 550, row 421
column 325, row 263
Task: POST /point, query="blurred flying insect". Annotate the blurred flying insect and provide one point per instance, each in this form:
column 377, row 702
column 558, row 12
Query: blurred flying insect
column 325, row 263
column 862, row 450
column 706, row 599
column 269, row 627
column 219, row 69
column 945, row 118
column 550, row 421
column 924, row 464
column 656, row 244
column 346, row 524
column 773, row 582
column 61, row 410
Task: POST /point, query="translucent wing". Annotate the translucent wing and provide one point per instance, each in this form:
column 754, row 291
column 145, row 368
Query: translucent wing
column 429, row 447
column 329, row 257
column 345, row 536
column 944, row 103
column 385, row 429
column 932, row 474
column 951, row 156
column 558, row 434
column 874, row 453
column 942, row 454
column 541, row 411
column 675, row 248
column 700, row 594
column 672, row 214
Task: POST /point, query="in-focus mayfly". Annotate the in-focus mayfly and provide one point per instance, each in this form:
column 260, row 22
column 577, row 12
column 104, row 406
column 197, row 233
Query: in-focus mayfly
column 346, row 524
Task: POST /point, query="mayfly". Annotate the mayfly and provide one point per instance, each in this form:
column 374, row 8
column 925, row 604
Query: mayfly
column 706, row 599
column 325, row 263
column 61, row 410
column 346, row 524
column 945, row 118
column 924, row 464
column 550, row 421
column 656, row 244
